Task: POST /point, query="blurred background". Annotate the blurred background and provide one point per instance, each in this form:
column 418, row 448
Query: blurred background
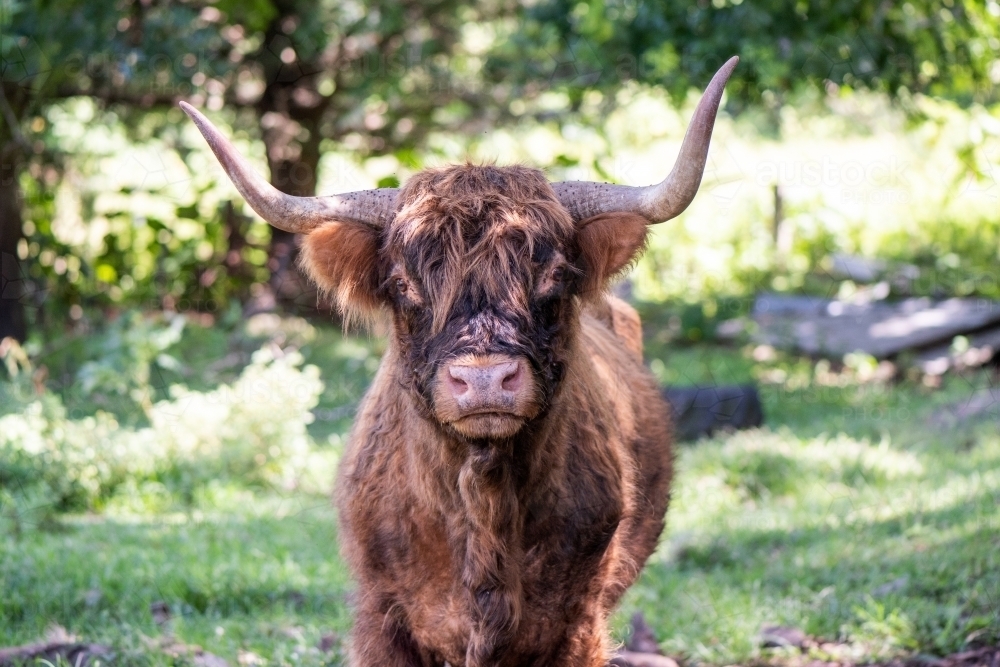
column 174, row 396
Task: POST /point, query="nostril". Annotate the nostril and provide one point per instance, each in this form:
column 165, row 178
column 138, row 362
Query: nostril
column 512, row 380
column 457, row 385
column 481, row 386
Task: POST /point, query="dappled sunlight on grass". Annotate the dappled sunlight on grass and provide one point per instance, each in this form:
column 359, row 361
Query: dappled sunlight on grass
column 882, row 547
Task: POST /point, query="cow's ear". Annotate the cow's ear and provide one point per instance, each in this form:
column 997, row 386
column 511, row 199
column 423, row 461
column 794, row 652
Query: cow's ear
column 341, row 258
column 608, row 244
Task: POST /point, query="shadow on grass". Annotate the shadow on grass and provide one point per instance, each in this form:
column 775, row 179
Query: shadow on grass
column 936, row 572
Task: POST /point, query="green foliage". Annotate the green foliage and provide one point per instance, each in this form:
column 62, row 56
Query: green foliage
column 92, row 89
column 408, row 86
column 129, row 350
column 131, row 223
column 915, row 206
column 942, row 48
column 253, row 430
column 887, row 630
column 717, row 280
column 955, row 257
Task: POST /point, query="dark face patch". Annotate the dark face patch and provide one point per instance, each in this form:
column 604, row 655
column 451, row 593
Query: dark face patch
column 479, row 262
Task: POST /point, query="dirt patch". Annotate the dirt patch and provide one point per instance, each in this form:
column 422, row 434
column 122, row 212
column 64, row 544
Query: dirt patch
column 57, row 648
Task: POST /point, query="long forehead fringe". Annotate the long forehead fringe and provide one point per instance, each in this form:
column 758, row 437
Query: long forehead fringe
column 480, row 219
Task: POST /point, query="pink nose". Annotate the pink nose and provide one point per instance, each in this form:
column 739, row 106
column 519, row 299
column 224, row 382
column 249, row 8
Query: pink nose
column 487, row 388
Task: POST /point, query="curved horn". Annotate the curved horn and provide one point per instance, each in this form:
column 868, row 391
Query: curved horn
column 293, row 214
column 656, row 203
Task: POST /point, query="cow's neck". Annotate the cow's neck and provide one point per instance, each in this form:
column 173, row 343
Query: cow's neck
column 486, row 493
column 497, row 488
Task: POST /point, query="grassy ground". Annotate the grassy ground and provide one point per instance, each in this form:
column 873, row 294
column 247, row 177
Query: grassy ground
column 864, row 513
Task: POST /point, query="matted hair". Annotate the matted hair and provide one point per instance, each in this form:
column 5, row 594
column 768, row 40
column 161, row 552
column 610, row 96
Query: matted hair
column 476, row 218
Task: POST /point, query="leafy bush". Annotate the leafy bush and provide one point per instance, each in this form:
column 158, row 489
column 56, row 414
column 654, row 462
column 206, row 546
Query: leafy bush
column 132, row 345
column 253, row 430
column 48, row 459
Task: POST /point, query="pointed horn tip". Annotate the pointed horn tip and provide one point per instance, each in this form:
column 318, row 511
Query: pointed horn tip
column 195, row 115
column 188, row 109
column 727, row 69
column 206, row 127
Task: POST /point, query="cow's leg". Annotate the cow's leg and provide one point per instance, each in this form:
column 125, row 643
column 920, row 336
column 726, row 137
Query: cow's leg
column 380, row 639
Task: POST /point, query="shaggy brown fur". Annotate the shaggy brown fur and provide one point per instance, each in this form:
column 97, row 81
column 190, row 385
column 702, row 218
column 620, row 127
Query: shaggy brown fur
column 506, row 549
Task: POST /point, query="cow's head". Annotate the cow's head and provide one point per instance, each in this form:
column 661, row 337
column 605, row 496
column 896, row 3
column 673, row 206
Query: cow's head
column 483, row 268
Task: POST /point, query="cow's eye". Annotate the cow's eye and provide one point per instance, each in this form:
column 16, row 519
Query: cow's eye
column 402, row 285
column 558, row 274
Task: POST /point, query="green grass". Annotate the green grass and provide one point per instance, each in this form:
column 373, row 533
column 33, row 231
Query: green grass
column 853, row 515
column 831, row 535
column 257, row 574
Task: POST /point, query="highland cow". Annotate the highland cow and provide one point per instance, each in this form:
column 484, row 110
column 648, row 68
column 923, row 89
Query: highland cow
column 509, row 469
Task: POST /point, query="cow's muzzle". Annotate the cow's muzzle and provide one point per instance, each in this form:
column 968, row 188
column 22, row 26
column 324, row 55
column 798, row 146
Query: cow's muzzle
column 485, row 396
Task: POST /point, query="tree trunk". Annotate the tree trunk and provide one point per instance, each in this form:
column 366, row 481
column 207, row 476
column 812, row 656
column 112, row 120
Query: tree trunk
column 12, row 271
column 291, row 112
column 12, row 319
column 293, row 162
